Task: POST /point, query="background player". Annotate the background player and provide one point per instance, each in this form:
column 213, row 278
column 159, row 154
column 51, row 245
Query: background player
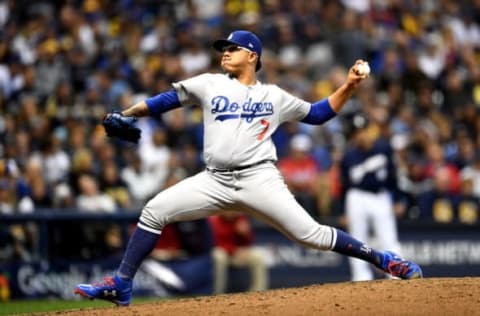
column 240, row 114
column 369, row 178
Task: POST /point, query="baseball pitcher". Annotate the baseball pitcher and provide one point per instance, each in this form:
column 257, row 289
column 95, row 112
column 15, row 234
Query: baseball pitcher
column 240, row 114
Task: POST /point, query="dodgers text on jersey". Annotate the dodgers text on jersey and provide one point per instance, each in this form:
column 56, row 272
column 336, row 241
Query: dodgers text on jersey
column 248, row 110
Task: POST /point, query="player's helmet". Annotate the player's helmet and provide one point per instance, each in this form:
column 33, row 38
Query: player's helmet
column 243, row 39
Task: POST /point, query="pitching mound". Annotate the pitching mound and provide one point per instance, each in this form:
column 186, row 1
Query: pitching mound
column 431, row 296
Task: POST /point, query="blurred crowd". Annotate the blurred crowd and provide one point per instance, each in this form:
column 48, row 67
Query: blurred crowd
column 64, row 64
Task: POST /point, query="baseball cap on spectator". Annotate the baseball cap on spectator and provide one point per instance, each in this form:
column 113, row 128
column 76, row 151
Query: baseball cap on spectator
column 355, row 122
column 301, row 142
column 243, row 39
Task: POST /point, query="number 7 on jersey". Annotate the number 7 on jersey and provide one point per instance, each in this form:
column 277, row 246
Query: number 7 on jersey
column 265, row 123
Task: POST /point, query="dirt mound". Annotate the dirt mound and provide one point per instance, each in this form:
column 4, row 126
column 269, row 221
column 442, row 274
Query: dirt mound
column 431, row 296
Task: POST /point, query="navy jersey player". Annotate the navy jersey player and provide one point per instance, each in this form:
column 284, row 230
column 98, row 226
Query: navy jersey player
column 369, row 180
column 240, row 114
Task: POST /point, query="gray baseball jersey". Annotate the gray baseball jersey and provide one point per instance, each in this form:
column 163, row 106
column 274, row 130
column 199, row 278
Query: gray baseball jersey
column 239, row 120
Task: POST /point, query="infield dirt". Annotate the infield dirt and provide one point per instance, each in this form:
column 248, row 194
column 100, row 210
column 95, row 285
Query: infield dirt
column 429, row 296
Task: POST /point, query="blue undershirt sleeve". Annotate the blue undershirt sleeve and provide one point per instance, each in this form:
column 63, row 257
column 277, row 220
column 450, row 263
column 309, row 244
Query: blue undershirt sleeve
column 162, row 103
column 320, row 112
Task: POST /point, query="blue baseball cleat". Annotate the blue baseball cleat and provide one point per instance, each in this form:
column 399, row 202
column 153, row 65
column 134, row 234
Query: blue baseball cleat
column 113, row 289
column 399, row 267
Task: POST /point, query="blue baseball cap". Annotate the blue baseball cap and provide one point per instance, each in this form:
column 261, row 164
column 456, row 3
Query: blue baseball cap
column 243, row 39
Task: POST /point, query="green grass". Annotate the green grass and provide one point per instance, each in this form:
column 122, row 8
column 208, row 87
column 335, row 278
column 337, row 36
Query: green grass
column 46, row 305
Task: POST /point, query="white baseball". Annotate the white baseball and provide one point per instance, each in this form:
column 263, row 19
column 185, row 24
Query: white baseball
column 363, row 69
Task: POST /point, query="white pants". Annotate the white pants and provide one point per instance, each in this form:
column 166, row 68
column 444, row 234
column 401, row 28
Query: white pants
column 259, row 191
column 367, row 210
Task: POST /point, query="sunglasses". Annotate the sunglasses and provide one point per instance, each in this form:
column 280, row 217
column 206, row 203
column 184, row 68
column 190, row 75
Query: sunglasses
column 234, row 48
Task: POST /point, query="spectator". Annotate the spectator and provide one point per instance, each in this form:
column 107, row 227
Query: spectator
column 113, row 185
column 91, row 199
column 456, row 90
column 7, row 198
column 40, row 195
column 82, row 163
column 412, row 77
column 465, row 150
column 155, row 155
column 468, row 209
column 13, row 245
column 466, row 32
column 194, row 59
column 351, row 41
column 435, row 160
column 432, row 59
column 233, row 238
column 301, row 173
column 438, row 204
column 54, row 161
column 184, row 240
column 14, row 190
column 472, row 171
column 50, row 68
column 140, row 182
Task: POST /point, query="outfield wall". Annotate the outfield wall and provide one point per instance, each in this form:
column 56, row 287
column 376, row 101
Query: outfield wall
column 442, row 250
